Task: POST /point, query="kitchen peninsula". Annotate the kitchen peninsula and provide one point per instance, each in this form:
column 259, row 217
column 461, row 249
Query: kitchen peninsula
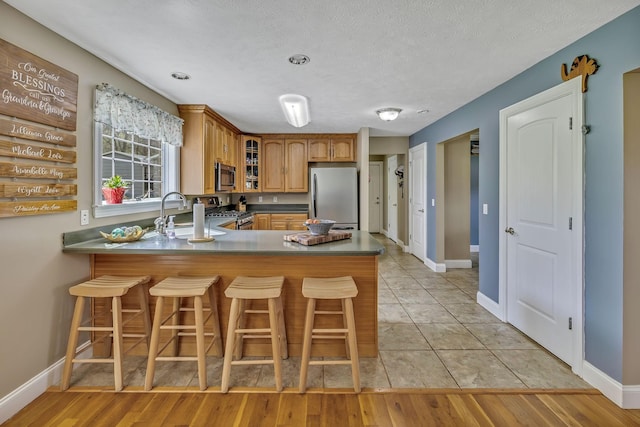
column 250, row 253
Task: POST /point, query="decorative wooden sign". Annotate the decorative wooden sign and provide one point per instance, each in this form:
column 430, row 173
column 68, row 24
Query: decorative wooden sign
column 30, row 189
column 32, row 170
column 36, row 90
column 36, row 152
column 40, row 207
column 38, row 108
column 36, row 133
column 581, row 66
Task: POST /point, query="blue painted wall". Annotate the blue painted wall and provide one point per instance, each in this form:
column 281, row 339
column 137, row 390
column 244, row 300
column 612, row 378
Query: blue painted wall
column 616, row 47
column 473, row 205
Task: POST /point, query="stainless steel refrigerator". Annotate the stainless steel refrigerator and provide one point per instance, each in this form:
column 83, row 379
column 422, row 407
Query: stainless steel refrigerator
column 334, row 195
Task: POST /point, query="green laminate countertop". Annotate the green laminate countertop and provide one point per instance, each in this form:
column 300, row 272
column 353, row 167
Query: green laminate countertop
column 234, row 242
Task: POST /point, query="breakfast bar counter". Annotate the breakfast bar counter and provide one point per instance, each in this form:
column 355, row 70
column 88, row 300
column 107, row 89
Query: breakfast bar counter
column 248, row 253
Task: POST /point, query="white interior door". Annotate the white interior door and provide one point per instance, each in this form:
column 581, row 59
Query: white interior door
column 541, row 219
column 417, row 201
column 392, row 198
column 375, row 196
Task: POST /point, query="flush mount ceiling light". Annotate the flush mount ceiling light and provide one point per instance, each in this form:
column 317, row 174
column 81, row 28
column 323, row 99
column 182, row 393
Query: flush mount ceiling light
column 180, row 76
column 295, row 109
column 388, row 114
column 299, row 59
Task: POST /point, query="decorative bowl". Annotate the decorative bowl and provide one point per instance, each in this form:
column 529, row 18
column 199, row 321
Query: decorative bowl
column 321, row 227
column 123, row 235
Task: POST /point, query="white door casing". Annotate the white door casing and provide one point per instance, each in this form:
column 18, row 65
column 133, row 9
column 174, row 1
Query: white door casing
column 392, row 198
column 541, row 213
column 417, row 201
column 375, row 196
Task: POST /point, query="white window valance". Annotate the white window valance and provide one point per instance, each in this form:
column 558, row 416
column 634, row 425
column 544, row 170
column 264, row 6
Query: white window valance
column 125, row 112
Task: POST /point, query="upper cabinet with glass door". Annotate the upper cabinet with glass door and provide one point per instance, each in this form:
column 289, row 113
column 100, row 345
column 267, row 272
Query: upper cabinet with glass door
column 249, row 178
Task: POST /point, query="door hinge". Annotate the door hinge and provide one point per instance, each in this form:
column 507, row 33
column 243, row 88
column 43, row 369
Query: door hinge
column 570, row 123
column 570, row 323
column 570, row 223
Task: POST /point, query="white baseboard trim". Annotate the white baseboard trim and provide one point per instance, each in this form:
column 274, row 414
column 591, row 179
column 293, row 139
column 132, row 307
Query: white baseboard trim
column 27, row 392
column 458, row 263
column 625, row 396
column 474, row 248
column 490, row 305
column 437, row 267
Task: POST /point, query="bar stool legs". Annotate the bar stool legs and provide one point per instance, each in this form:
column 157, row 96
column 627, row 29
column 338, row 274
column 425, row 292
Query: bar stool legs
column 240, row 291
column 343, row 288
column 113, row 287
column 178, row 288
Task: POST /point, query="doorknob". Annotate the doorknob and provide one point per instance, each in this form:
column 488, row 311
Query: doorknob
column 510, row 230
column 420, row 210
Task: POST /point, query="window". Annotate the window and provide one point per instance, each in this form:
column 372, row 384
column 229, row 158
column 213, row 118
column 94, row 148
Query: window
column 130, row 140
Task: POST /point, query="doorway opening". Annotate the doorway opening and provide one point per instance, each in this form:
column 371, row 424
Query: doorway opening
column 455, row 212
column 376, row 196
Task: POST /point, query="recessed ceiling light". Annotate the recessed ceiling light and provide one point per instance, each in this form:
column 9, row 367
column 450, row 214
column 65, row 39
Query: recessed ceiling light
column 299, row 59
column 180, row 76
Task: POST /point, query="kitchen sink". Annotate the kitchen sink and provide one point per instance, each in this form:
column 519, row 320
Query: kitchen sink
column 185, row 233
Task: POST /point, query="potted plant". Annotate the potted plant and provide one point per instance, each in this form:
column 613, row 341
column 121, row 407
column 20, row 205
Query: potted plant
column 113, row 189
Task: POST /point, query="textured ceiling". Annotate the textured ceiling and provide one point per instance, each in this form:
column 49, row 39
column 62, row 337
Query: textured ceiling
column 365, row 54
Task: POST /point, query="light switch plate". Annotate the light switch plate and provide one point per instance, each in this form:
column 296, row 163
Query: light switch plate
column 485, row 209
column 433, row 202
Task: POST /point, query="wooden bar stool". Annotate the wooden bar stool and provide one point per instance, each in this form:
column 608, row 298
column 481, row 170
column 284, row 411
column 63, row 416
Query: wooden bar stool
column 253, row 288
column 113, row 287
column 178, row 288
column 343, row 288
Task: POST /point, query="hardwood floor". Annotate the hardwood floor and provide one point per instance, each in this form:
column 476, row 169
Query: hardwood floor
column 324, row 408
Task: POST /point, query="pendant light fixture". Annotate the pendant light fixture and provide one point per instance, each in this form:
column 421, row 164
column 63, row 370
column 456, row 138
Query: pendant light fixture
column 295, row 109
column 388, row 114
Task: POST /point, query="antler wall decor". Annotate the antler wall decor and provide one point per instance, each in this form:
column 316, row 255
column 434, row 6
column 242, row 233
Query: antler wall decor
column 581, row 66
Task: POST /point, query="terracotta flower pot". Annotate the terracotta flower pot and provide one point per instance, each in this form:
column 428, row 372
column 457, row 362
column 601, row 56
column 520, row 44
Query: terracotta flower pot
column 113, row 195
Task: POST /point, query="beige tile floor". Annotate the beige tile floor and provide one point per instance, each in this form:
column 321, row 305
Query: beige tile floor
column 432, row 334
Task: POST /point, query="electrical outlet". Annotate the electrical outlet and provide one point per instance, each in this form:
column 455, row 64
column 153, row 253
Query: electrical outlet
column 275, row 199
column 84, row 217
column 228, row 200
column 259, row 199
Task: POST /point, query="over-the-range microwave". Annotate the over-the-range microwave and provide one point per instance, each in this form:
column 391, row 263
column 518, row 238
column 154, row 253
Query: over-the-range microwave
column 225, row 177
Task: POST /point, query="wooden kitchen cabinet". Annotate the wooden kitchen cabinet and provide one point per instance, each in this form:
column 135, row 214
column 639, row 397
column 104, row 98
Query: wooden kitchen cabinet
column 197, row 155
column 284, row 165
column 280, row 221
column 205, row 136
column 339, row 149
column 230, row 226
column 226, row 141
column 288, row 221
column 249, row 171
column 262, row 221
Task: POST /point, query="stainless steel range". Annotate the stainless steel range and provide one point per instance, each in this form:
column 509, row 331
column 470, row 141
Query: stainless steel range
column 244, row 220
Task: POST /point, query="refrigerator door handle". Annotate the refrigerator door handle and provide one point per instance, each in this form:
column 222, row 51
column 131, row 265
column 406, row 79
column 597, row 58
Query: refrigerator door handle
column 315, row 195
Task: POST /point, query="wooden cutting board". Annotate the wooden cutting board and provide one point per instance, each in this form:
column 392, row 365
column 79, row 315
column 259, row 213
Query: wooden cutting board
column 309, row 239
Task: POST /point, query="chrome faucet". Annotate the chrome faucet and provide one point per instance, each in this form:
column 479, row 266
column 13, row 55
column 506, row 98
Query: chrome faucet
column 161, row 221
